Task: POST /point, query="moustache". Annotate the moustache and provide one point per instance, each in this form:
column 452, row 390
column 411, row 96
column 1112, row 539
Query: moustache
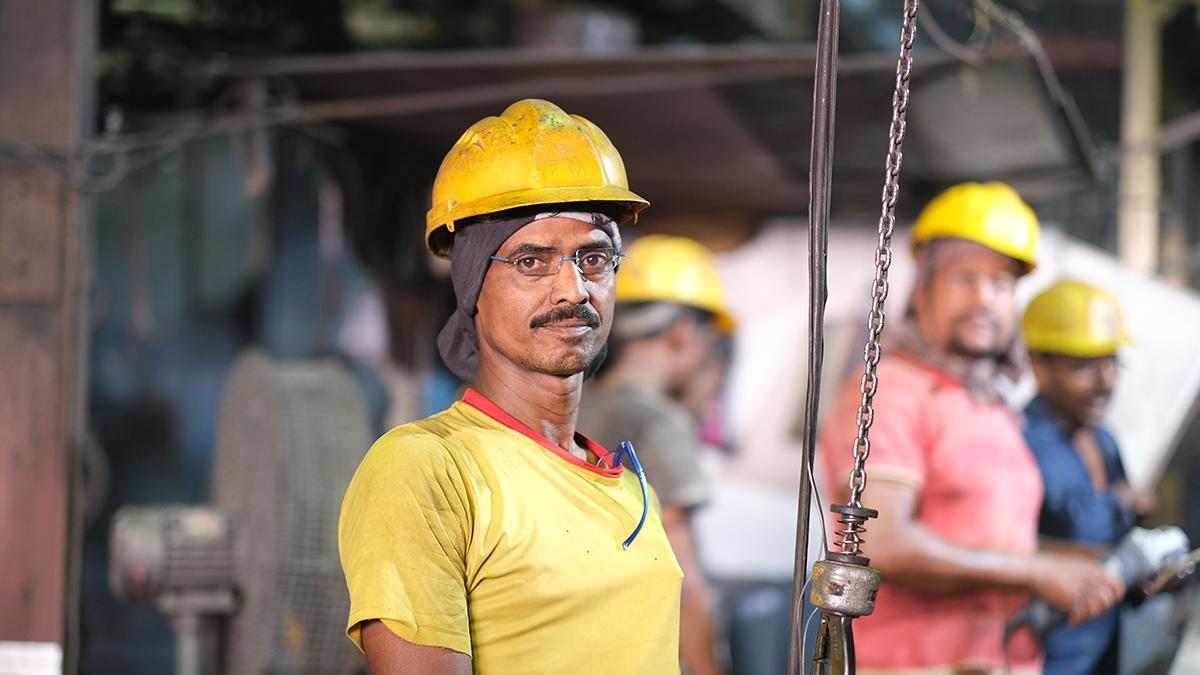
column 982, row 314
column 580, row 312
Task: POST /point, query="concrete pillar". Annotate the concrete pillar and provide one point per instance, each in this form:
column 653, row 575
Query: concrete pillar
column 1141, row 113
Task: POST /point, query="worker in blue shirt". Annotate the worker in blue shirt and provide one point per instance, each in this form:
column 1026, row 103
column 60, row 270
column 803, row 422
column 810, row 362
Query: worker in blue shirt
column 1073, row 331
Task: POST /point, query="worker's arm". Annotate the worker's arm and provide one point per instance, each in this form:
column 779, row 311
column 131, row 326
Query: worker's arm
column 389, row 654
column 909, row 554
column 696, row 644
column 1143, row 504
column 1079, row 548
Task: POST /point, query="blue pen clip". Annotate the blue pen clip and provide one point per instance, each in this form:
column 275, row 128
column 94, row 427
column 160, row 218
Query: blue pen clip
column 625, row 449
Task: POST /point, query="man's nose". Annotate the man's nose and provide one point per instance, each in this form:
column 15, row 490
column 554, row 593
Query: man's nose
column 980, row 291
column 569, row 285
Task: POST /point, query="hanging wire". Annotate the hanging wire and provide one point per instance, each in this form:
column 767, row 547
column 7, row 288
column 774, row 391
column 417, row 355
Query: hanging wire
column 83, row 166
column 989, row 13
column 812, row 481
column 970, row 51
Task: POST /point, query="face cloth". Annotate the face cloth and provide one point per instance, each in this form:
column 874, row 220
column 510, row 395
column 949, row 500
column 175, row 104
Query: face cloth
column 470, row 257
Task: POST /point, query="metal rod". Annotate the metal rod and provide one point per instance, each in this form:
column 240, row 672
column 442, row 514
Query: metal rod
column 819, row 178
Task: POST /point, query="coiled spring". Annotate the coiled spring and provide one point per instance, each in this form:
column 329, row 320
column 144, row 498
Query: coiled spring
column 851, row 527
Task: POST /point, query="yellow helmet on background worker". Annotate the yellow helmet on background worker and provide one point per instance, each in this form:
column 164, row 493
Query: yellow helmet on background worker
column 992, row 214
column 534, row 153
column 663, row 268
column 1076, row 319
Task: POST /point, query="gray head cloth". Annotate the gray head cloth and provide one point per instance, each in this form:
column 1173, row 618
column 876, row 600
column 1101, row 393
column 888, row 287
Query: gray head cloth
column 470, row 256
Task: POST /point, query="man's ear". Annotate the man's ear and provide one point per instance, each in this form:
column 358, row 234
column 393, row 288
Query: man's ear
column 1040, row 367
column 916, row 299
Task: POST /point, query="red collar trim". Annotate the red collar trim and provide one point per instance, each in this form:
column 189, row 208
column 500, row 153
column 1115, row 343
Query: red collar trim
column 484, row 405
column 940, row 376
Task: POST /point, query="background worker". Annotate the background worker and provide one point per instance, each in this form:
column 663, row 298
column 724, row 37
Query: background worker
column 671, row 313
column 491, row 537
column 957, row 489
column 1073, row 332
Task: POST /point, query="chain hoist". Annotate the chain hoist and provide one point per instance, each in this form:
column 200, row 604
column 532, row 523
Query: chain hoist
column 843, row 583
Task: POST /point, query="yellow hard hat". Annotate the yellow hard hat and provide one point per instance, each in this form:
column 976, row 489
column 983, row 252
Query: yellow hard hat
column 533, row 153
column 992, row 214
column 1076, row 319
column 662, row 268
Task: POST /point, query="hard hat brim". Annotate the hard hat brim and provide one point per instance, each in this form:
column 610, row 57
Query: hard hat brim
column 441, row 226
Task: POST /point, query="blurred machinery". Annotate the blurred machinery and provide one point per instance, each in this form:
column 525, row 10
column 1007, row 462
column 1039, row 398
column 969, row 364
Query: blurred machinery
column 1148, row 562
column 180, row 558
column 252, row 582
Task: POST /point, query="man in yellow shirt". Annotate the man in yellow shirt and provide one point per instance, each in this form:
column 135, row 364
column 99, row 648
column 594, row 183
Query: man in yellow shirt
column 491, row 536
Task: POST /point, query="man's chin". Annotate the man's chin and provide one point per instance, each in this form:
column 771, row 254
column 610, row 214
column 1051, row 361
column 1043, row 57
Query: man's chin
column 976, row 351
column 1096, row 412
column 567, row 364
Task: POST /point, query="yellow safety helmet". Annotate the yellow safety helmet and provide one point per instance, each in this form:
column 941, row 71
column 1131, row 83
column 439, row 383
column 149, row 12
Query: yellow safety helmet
column 662, row 268
column 1076, row 319
column 992, row 214
column 533, row 153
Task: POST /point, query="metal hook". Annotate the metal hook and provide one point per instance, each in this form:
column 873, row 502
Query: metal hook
column 834, row 650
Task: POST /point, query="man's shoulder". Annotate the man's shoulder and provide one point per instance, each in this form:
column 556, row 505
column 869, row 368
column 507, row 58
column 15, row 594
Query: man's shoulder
column 898, row 362
column 1107, row 440
column 605, row 406
column 432, row 440
column 1037, row 418
column 902, row 375
column 628, row 397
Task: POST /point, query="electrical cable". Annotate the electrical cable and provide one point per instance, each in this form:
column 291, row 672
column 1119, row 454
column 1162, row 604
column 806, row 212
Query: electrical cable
column 989, row 12
column 804, row 658
column 970, row 52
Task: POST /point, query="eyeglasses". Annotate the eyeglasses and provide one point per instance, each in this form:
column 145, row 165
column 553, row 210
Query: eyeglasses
column 1000, row 281
column 591, row 262
column 1081, row 364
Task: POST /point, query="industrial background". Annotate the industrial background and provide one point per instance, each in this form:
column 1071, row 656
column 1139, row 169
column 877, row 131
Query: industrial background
column 213, row 290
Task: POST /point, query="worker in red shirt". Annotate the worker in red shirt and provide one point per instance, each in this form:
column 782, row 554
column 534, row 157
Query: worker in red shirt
column 957, row 489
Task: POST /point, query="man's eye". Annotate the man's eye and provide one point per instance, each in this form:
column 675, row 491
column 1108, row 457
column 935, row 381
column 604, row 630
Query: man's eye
column 593, row 260
column 529, row 263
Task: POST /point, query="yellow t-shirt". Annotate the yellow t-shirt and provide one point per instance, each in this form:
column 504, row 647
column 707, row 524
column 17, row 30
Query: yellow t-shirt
column 470, row 531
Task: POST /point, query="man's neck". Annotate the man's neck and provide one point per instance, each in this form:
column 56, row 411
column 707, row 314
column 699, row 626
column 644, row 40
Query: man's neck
column 953, row 364
column 1069, row 426
column 548, row 404
column 977, row 375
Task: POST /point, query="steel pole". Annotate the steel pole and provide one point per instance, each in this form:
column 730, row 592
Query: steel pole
column 819, row 178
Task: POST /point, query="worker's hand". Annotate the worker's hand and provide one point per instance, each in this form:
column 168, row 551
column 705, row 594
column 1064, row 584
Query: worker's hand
column 1144, row 504
column 1076, row 584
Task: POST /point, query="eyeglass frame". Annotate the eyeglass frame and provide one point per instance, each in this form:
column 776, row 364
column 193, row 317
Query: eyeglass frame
column 617, row 254
column 1079, row 364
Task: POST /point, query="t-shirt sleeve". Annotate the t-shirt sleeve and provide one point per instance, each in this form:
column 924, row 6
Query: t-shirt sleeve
column 402, row 536
column 898, row 439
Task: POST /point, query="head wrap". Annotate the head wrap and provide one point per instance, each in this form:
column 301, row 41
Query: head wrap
column 987, row 380
column 470, row 256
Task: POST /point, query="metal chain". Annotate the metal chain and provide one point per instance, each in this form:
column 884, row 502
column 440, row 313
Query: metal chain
column 883, row 254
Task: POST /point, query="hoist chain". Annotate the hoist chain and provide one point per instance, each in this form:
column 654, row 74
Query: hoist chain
column 883, row 255
column 844, row 586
